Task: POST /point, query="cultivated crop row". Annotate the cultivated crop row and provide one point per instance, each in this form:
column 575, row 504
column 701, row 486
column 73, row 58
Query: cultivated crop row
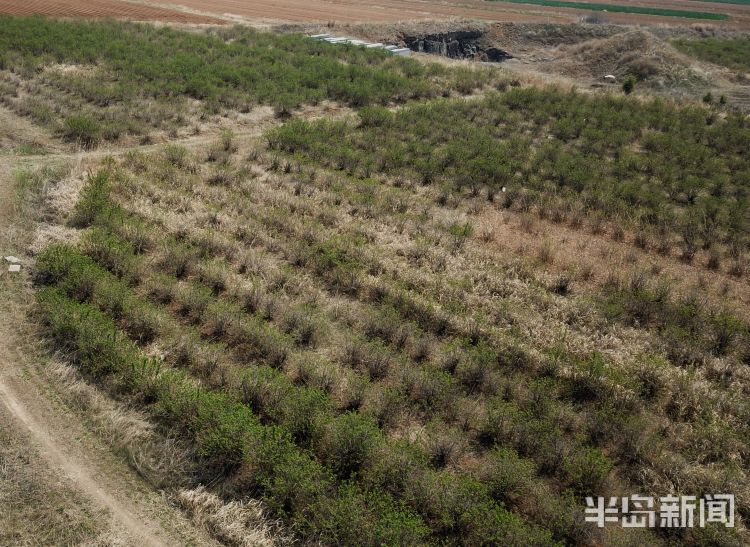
column 370, row 331
column 676, row 177
column 114, row 79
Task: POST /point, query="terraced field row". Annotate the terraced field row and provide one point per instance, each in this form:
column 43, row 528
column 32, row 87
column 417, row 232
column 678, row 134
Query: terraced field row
column 120, row 79
column 362, row 321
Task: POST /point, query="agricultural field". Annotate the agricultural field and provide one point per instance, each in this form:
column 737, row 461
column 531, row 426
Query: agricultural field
column 103, row 8
column 615, row 8
column 732, row 13
column 319, row 294
column 733, row 53
column 675, row 178
column 107, row 81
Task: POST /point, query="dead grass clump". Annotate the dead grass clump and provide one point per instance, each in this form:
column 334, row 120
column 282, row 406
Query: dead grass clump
column 545, row 253
column 239, row 523
column 177, row 259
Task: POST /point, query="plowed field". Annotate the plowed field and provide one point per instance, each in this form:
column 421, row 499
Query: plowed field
column 100, row 8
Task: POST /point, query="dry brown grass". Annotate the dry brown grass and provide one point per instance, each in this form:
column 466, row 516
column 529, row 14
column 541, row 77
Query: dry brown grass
column 237, row 523
column 39, row 507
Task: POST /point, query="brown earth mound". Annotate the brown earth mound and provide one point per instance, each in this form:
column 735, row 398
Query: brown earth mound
column 638, row 53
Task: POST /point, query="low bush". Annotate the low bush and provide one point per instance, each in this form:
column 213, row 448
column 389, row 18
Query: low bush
column 304, row 412
column 82, row 130
column 587, row 469
column 112, row 252
column 348, row 442
column 462, row 506
column 507, row 476
column 93, row 201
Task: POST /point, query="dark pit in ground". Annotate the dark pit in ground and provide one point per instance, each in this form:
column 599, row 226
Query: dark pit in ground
column 465, row 44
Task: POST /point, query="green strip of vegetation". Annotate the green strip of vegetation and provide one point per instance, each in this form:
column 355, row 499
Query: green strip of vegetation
column 733, row 53
column 622, row 9
column 735, row 2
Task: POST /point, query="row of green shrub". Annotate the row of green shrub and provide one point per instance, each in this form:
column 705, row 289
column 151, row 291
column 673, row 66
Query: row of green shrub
column 227, row 433
column 399, row 308
column 685, row 323
column 658, row 166
column 291, row 482
column 343, row 444
column 533, row 429
column 131, row 65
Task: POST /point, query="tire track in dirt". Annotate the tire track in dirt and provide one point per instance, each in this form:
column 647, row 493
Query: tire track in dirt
column 139, row 529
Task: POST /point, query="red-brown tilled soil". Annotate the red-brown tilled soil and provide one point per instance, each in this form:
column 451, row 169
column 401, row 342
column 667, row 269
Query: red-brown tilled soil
column 358, row 11
column 92, row 9
column 352, row 11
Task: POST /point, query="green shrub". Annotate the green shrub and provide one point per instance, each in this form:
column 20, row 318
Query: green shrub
column 371, row 518
column 296, row 486
column 96, row 343
column 220, row 428
column 93, row 201
column 82, row 130
column 113, row 253
column 347, row 443
column 396, row 467
column 178, row 259
column 461, row 507
column 589, row 379
column 374, row 116
column 507, row 476
column 263, row 388
column 303, row 412
column 193, row 300
column 177, row 156
column 628, row 85
column 587, row 469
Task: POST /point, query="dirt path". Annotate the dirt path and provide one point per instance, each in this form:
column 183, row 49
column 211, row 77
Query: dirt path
column 136, row 514
column 79, row 470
